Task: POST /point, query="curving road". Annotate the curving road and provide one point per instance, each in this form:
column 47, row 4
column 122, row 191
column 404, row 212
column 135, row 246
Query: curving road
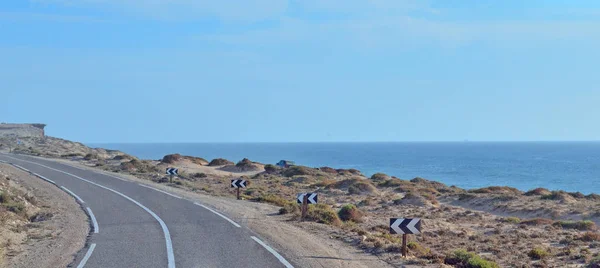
column 138, row 226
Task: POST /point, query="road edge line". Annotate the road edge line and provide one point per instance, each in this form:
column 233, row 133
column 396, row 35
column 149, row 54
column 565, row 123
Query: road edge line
column 72, row 194
column 274, row 252
column 94, row 222
column 87, row 256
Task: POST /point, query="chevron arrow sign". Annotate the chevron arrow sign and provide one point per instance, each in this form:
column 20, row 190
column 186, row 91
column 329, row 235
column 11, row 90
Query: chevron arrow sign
column 238, row 183
column 312, row 198
column 405, row 226
column 172, row 171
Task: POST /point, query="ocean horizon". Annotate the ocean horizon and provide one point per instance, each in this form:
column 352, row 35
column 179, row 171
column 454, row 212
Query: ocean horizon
column 557, row 165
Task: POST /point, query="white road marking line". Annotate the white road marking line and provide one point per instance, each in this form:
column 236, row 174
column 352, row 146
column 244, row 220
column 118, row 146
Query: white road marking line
column 169, row 244
column 158, row 190
column 279, row 257
column 87, row 256
column 112, row 176
column 21, row 168
column 94, row 222
column 222, row 216
column 44, row 178
column 72, row 194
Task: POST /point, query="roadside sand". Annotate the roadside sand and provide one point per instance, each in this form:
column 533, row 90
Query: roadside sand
column 55, row 237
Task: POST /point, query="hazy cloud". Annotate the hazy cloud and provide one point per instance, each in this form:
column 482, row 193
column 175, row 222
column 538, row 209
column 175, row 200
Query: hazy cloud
column 185, row 9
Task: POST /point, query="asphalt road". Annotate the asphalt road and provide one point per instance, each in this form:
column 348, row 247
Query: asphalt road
column 136, row 226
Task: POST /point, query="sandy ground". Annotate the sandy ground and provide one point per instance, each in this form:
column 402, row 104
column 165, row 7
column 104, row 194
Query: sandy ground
column 49, row 243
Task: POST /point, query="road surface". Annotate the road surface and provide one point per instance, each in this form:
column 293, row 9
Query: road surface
column 137, row 226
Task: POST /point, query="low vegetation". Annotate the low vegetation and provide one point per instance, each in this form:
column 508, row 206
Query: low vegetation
column 538, row 253
column 586, row 225
column 350, row 213
column 323, row 213
column 464, row 259
column 219, row 162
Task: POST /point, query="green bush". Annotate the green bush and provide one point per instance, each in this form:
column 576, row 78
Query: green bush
column 4, row 197
column 271, row 198
column 463, row 258
column 323, row 213
column 297, row 170
column 350, row 213
column 538, row 253
column 271, row 168
column 478, row 262
column 512, row 220
column 586, row 225
column 15, row 207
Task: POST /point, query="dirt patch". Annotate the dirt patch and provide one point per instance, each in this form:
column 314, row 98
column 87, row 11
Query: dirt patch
column 42, row 227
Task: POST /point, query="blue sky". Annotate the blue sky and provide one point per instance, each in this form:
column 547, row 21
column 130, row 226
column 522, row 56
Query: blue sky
column 302, row 70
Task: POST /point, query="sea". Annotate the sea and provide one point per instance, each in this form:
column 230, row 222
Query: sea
column 569, row 166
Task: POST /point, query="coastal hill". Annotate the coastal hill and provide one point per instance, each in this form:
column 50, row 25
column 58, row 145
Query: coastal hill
column 22, row 130
column 495, row 226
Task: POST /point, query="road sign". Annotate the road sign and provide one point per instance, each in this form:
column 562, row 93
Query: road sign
column 312, row 198
column 238, row 184
column 405, row 226
column 172, row 171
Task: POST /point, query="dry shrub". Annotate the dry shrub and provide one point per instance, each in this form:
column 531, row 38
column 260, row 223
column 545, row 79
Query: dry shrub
column 380, row 177
column 416, row 199
column 590, row 237
column 298, row 170
column 592, row 196
column 562, row 196
column 271, row 168
column 172, row 158
column 350, row 213
column 91, row 156
column 323, row 213
column 538, row 253
column 537, row 222
column 538, row 191
column 361, row 188
column 219, row 162
column 328, row 170
column 289, row 208
column 578, row 225
column 122, row 157
column 496, row 190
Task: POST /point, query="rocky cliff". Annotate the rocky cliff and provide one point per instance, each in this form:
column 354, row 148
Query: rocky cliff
column 22, row 130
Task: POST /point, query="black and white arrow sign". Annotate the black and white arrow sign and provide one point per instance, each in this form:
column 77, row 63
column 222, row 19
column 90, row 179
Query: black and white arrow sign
column 312, row 198
column 172, row 171
column 405, row 226
column 238, row 184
